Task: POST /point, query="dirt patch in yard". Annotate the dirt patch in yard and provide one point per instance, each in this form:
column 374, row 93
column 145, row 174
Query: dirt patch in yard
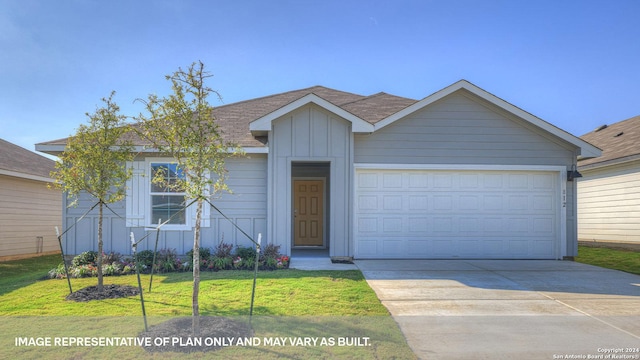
column 626, row 246
column 109, row 292
column 180, row 332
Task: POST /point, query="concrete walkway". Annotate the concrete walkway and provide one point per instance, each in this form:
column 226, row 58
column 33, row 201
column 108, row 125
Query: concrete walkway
column 489, row 309
column 318, row 263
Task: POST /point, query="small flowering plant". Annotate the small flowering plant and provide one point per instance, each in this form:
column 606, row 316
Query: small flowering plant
column 167, row 260
column 282, row 262
column 237, row 261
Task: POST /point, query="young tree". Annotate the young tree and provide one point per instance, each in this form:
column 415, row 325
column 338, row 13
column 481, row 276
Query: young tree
column 182, row 125
column 94, row 161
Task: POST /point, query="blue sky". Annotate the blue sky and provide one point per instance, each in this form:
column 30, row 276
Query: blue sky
column 575, row 64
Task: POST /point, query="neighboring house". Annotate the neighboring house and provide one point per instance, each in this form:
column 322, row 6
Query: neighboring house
column 29, row 210
column 609, row 191
column 459, row 174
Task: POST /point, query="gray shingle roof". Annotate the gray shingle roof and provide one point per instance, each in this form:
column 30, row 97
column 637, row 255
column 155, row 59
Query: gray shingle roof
column 619, row 142
column 234, row 119
column 17, row 159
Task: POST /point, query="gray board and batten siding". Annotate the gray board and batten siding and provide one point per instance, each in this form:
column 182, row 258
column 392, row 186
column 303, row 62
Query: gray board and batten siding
column 311, row 134
column 246, row 206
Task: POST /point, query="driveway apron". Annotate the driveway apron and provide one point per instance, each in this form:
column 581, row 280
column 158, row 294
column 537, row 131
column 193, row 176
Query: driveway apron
column 510, row 309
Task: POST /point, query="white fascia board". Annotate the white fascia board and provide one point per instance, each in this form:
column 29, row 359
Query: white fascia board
column 50, row 149
column 586, row 150
column 26, row 176
column 460, row 167
column 357, row 125
column 256, row 150
column 140, row 149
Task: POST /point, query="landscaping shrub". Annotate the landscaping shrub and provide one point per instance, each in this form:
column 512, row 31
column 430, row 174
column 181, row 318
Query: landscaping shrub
column 205, row 255
column 223, row 250
column 221, row 263
column 57, row 273
column 110, row 258
column 245, row 252
column 271, row 258
column 114, row 268
column 221, row 258
column 167, row 261
column 144, row 259
column 244, row 258
column 271, row 251
column 83, row 271
column 85, row 258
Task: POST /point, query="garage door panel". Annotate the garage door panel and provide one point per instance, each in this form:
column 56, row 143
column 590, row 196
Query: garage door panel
column 392, row 181
column 519, row 226
column 456, row 214
column 392, row 202
column 470, row 247
column 419, row 247
column 542, row 202
column 418, row 225
column 392, row 226
column 395, row 248
column 367, row 225
column 418, row 202
column 368, row 248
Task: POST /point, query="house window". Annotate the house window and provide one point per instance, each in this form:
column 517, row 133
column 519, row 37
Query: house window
column 167, row 199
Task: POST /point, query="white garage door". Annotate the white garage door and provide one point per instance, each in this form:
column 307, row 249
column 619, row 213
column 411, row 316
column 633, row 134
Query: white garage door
column 457, row 214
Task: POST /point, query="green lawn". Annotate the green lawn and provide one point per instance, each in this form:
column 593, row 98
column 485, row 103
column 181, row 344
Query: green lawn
column 291, row 303
column 625, row 260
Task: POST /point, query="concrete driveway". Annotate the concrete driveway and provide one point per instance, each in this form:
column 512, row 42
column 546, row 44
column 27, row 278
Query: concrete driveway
column 504, row 309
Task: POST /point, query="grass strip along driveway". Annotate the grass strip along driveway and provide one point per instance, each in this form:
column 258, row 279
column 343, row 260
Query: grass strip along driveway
column 623, row 260
column 295, row 311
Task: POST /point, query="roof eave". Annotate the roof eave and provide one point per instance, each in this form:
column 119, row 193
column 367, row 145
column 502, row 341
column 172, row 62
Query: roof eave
column 51, row 149
column 617, row 161
column 58, row 149
column 21, row 175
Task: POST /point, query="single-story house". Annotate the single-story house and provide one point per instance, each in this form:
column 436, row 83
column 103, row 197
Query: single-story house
column 29, row 210
column 458, row 174
column 609, row 190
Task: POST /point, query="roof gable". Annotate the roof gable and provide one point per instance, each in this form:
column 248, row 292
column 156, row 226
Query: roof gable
column 619, row 142
column 586, row 149
column 263, row 124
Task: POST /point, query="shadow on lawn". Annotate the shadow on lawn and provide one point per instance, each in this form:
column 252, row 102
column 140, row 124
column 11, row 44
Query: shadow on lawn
column 16, row 274
column 263, row 274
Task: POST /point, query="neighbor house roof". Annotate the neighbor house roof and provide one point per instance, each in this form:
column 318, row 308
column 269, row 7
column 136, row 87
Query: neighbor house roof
column 246, row 122
column 619, row 142
column 19, row 162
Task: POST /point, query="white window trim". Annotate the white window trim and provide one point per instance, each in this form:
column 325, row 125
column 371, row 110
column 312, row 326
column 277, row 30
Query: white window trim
column 147, row 197
column 190, row 212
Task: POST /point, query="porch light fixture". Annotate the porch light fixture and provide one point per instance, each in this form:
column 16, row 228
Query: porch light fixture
column 573, row 173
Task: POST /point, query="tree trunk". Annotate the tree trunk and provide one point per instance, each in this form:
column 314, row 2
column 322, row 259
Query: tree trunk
column 100, row 284
column 195, row 324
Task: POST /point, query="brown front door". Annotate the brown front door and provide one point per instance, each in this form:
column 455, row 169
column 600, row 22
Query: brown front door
column 308, row 212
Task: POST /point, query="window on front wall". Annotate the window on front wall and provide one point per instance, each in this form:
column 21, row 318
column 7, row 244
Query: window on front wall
column 167, row 199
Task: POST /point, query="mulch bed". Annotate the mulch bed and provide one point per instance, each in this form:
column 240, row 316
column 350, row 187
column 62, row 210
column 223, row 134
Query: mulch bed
column 176, row 328
column 210, row 327
column 111, row 291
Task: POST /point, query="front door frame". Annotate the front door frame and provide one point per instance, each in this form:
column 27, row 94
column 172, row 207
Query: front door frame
column 324, row 213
